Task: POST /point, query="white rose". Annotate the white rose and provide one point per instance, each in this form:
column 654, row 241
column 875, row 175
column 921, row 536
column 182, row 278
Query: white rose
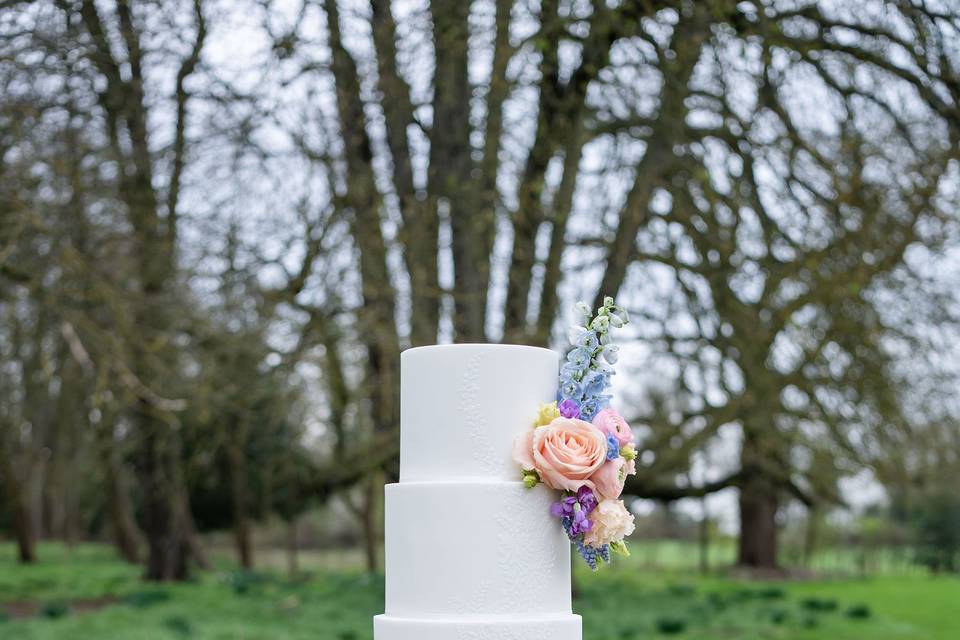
column 611, row 522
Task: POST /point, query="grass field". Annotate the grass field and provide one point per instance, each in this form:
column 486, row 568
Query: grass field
column 87, row 593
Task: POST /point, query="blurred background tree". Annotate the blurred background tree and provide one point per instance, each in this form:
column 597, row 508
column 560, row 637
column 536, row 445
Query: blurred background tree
column 221, row 222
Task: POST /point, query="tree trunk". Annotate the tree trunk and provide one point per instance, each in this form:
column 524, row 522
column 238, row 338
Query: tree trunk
column 238, row 489
column 293, row 547
column 167, row 542
column 126, row 535
column 704, row 539
column 370, row 516
column 195, row 548
column 26, row 545
column 33, row 487
column 758, row 523
column 19, row 505
column 811, row 537
column 71, row 517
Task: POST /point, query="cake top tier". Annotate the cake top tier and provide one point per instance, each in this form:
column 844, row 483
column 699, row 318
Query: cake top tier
column 462, row 405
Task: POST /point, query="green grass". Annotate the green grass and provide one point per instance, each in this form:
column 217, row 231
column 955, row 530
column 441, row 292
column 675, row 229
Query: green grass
column 626, row 602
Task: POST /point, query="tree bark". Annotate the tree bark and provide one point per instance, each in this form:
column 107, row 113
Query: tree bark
column 195, row 549
column 450, row 174
column 420, row 222
column 811, row 536
column 377, row 316
column 704, row 538
column 238, row 493
column 370, row 515
column 166, row 543
column 529, row 214
column 562, row 207
column 166, row 516
column 127, row 538
column 293, row 547
column 22, row 518
column 23, row 531
column 758, row 523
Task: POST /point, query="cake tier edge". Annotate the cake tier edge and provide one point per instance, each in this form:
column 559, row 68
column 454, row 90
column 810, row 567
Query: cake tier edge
column 559, row 627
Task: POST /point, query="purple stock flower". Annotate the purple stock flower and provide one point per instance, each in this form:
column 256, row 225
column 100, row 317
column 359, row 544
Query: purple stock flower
column 574, row 510
column 580, row 523
column 564, row 507
column 569, row 408
column 572, row 507
column 586, row 498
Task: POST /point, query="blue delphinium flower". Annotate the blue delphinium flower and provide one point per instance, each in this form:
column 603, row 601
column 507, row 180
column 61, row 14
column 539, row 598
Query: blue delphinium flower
column 603, row 401
column 568, row 370
column 594, row 382
column 587, row 339
column 610, row 353
column 604, row 368
column 601, row 324
column 580, row 357
column 589, row 408
column 613, row 447
column 570, row 388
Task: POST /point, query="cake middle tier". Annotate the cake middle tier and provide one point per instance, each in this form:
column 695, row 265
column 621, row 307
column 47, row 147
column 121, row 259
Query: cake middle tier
column 474, row 548
column 461, row 406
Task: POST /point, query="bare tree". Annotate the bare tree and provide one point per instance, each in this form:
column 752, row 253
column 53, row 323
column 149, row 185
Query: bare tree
column 771, row 231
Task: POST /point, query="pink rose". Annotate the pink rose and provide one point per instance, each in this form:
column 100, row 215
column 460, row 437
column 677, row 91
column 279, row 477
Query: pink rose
column 565, row 453
column 612, row 423
column 608, row 479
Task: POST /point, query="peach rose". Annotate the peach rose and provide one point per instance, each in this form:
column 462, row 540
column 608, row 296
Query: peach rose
column 611, row 522
column 609, row 478
column 612, row 423
column 565, row 453
column 523, row 450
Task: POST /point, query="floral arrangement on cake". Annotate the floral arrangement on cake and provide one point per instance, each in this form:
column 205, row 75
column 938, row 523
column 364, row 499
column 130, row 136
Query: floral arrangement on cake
column 581, row 446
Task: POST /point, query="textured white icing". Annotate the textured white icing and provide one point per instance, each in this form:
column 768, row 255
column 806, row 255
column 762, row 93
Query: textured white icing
column 474, row 548
column 462, row 405
column 470, row 553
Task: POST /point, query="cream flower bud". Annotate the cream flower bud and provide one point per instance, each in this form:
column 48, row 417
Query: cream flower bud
column 611, row 522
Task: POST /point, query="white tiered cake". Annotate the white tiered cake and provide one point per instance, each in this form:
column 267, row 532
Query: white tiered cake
column 470, row 553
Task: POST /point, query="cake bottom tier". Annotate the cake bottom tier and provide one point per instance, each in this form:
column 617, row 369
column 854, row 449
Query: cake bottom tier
column 546, row 627
column 474, row 549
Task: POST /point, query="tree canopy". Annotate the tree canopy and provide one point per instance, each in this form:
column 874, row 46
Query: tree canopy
column 208, row 207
